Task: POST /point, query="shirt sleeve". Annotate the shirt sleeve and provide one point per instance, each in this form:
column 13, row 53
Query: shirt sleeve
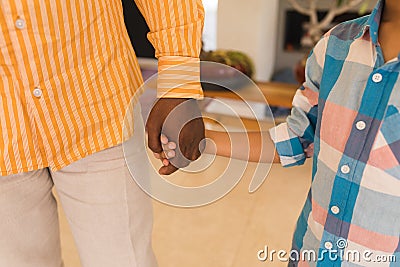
column 175, row 32
column 297, row 133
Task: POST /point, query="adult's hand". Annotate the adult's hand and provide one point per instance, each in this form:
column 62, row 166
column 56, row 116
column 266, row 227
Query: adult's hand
column 180, row 120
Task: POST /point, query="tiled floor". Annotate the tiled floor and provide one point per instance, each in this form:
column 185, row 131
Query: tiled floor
column 229, row 232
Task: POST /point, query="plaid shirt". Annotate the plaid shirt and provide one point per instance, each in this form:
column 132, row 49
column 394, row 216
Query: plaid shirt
column 349, row 109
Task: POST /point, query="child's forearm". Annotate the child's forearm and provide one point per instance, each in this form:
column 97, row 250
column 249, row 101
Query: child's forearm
column 251, row 146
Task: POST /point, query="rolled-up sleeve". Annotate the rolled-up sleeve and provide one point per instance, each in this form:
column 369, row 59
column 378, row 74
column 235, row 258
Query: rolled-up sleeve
column 175, row 32
column 297, row 133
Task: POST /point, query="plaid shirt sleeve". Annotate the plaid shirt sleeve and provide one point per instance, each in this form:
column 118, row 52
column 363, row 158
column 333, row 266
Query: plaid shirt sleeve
column 297, row 133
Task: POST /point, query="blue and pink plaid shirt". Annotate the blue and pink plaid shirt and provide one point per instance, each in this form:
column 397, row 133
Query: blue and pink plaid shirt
column 349, row 110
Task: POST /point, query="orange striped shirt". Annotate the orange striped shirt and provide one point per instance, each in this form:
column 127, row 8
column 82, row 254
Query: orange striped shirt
column 68, row 73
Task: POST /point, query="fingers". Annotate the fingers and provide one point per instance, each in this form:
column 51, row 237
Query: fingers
column 167, row 170
column 165, row 162
column 164, row 139
column 309, row 151
column 153, row 140
column 191, row 139
column 168, row 147
column 197, row 152
column 171, row 145
column 195, row 155
column 168, row 151
column 167, row 155
column 181, row 119
column 170, row 154
column 163, row 157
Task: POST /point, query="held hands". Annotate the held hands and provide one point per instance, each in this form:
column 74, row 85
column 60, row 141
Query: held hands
column 180, row 120
column 169, row 148
column 169, row 151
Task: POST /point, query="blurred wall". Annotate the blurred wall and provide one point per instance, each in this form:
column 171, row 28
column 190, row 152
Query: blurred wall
column 286, row 59
column 257, row 28
column 250, row 26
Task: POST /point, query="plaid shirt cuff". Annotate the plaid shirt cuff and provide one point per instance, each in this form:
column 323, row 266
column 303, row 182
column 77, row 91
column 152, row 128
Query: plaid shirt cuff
column 288, row 146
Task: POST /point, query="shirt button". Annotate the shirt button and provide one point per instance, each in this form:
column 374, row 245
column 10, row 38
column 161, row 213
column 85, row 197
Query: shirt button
column 20, row 24
column 377, row 77
column 335, row 209
column 361, row 125
column 37, row 92
column 328, row 245
column 345, row 169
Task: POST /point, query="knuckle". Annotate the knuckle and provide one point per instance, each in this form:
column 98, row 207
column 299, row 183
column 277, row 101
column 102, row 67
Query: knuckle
column 195, row 156
column 155, row 147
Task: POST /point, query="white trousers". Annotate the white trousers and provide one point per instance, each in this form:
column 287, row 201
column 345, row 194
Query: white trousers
column 109, row 215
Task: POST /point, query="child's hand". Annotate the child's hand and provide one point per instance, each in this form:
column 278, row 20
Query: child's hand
column 169, row 150
column 309, row 151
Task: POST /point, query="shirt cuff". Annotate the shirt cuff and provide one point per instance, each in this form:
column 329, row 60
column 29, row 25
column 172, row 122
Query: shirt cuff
column 179, row 77
column 288, row 146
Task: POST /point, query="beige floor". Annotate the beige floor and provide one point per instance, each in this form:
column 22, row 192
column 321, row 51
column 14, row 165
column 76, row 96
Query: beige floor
column 229, row 232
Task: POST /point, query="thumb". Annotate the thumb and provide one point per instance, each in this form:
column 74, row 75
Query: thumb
column 167, row 170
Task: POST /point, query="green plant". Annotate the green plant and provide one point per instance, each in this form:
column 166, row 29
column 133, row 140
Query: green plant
column 235, row 59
